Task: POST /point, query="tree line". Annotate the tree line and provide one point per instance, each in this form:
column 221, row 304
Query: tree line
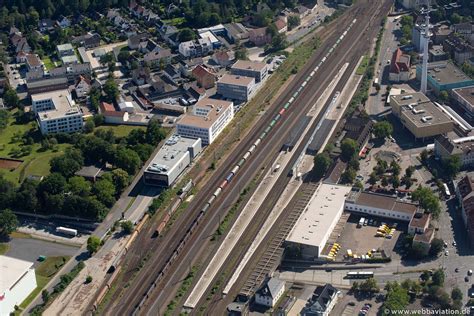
column 63, row 192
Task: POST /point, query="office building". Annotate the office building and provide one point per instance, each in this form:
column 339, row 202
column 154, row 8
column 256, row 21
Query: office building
column 234, row 87
column 171, row 160
column 207, row 120
column 247, row 68
column 56, row 112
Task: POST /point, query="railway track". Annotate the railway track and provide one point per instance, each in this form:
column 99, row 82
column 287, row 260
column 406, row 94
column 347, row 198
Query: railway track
column 166, row 245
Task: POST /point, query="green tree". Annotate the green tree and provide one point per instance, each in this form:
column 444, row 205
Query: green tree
column 8, row 222
column 186, row 34
column 45, row 296
column 104, row 190
column 427, row 200
column 348, row 149
column 424, row 156
column 241, row 54
column 123, row 56
column 369, row 286
column 154, row 133
column 425, row 276
column 395, row 180
column 121, row 179
column 348, row 176
column 382, row 129
column 88, row 279
column 396, row 298
column 395, row 168
column 293, row 21
column 127, row 227
column 93, row 244
column 79, row 186
column 10, row 98
column 89, row 126
column 322, row 161
column 128, row 160
column 4, row 116
column 436, row 246
column 111, row 90
column 444, row 96
column 418, row 251
column 67, row 164
column 452, row 165
column 438, row 277
column 456, row 294
column 373, row 178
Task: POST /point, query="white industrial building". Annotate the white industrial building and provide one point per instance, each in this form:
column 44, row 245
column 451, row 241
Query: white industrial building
column 317, row 221
column 171, row 160
column 379, row 205
column 56, row 112
column 207, row 120
column 17, row 281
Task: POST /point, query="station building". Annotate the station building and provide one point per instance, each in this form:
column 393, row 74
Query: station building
column 317, row 221
column 171, row 160
column 17, row 281
column 207, row 120
column 419, row 115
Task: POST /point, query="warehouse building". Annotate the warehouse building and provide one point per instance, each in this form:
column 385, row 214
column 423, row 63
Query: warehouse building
column 17, row 281
column 444, row 75
column 318, row 220
column 420, row 116
column 171, row 160
column 207, row 120
column 379, row 205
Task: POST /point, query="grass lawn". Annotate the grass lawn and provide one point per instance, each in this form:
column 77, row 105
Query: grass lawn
column 176, row 21
column 48, row 63
column 363, row 65
column 4, row 248
column 37, row 162
column 121, row 130
column 44, row 272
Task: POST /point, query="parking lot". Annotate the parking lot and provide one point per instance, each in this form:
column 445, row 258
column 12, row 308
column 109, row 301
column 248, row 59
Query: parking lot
column 30, row 249
column 361, row 240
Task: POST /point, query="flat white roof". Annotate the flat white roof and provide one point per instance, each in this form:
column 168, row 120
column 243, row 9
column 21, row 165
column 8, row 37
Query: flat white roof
column 63, row 104
column 316, row 219
column 171, row 154
column 11, row 270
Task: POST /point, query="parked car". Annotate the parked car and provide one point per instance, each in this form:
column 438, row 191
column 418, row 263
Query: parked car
column 469, row 272
column 466, row 279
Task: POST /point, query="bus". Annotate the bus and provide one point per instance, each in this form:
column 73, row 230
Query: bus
column 360, row 275
column 447, row 193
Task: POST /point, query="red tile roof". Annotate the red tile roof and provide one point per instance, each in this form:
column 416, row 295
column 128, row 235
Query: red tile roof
column 201, row 71
column 400, row 62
